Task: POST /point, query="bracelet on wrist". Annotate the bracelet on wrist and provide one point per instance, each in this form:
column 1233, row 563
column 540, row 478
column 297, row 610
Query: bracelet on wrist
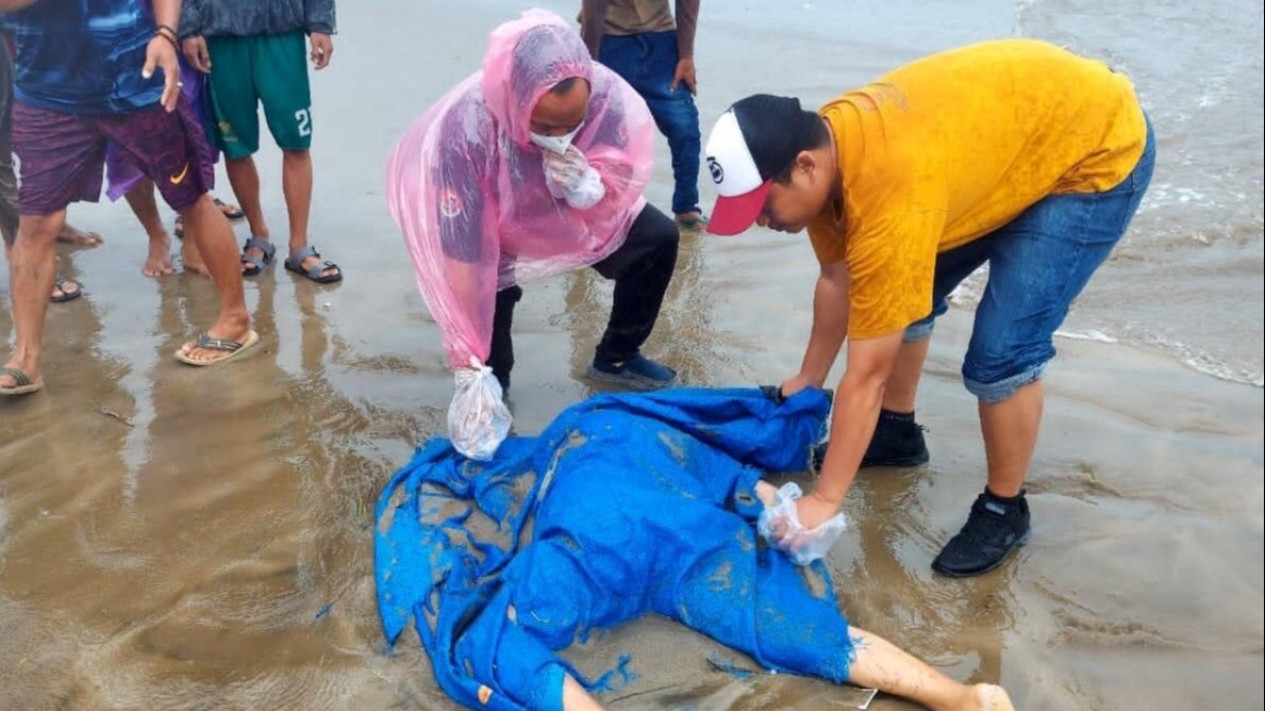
column 174, row 45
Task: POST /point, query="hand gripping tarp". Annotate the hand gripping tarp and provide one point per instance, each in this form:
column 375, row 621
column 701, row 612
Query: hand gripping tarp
column 624, row 505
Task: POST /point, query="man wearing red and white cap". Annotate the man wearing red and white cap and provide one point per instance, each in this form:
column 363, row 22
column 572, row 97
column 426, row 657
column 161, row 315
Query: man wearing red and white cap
column 1013, row 153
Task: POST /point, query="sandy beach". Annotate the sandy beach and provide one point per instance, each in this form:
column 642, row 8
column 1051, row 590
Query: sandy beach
column 176, row 538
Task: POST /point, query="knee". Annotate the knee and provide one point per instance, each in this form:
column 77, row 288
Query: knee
column 199, row 214
column 682, row 123
column 669, row 245
column 669, row 240
column 39, row 229
column 994, row 369
column 509, row 296
column 662, row 235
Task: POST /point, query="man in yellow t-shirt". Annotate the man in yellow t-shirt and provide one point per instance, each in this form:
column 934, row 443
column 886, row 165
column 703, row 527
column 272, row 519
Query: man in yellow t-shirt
column 1013, row 153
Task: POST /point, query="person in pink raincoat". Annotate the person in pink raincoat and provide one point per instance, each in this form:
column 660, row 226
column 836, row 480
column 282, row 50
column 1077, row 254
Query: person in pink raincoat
column 533, row 166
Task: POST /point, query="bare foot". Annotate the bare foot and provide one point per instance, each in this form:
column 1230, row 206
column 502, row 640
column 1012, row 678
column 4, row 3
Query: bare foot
column 237, row 330
column 71, row 235
column 987, row 697
column 192, row 259
column 158, row 262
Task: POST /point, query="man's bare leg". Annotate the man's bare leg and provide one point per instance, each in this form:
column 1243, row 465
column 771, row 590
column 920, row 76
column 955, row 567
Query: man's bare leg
column 68, row 286
column 296, row 183
column 190, row 256
column 214, row 237
column 575, row 698
column 881, row 665
column 902, row 386
column 244, row 178
column 72, row 235
column 1010, row 437
column 141, row 200
column 31, row 265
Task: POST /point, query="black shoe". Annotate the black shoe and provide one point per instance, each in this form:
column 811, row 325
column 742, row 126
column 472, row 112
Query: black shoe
column 995, row 528
column 637, row 373
column 897, row 442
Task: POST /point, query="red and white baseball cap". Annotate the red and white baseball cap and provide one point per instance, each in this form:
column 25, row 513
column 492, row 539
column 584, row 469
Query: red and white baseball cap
column 751, row 144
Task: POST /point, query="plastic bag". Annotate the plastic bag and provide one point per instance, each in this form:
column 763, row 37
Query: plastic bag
column 478, row 420
column 801, row 544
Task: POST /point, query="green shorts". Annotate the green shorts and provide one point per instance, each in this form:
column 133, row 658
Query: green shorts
column 267, row 69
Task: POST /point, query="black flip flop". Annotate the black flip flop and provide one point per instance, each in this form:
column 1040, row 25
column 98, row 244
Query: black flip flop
column 236, row 214
column 59, row 283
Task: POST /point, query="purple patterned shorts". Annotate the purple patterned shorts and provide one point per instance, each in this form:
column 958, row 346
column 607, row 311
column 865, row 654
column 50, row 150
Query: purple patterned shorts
column 63, row 154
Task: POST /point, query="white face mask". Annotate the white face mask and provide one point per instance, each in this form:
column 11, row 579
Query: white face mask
column 556, row 144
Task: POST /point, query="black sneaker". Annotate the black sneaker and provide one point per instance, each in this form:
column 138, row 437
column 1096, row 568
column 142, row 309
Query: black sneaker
column 992, row 532
column 897, row 442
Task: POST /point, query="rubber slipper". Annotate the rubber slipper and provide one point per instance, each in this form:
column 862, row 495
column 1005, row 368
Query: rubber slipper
column 230, row 349
column 59, row 283
column 22, row 383
column 232, row 212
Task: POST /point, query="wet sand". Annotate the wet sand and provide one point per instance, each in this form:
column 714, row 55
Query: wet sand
column 173, row 538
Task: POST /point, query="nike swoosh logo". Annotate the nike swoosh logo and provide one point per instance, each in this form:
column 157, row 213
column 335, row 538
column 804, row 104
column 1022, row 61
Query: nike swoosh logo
column 178, row 179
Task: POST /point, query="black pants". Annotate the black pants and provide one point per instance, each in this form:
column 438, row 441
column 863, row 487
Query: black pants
column 641, row 268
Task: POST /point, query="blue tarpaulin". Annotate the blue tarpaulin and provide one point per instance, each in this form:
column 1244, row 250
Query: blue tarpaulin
column 624, row 505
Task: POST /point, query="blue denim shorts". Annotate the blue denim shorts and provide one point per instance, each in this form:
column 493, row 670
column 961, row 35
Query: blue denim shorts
column 1038, row 265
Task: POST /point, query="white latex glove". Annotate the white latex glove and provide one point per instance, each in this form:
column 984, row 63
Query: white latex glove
column 780, row 526
column 570, row 177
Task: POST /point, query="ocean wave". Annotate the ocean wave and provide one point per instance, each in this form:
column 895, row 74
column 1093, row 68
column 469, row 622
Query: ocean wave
column 1090, row 335
column 1206, row 363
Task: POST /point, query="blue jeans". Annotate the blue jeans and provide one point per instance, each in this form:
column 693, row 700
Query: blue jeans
column 1038, row 265
column 648, row 61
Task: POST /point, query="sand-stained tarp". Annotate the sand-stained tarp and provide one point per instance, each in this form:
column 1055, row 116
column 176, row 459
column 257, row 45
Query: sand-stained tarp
column 625, row 505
